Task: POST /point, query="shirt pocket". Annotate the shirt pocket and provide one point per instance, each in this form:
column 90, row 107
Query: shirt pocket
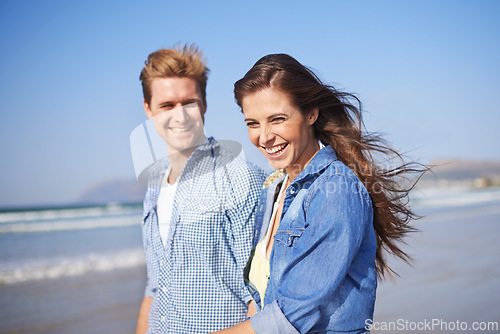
column 200, row 222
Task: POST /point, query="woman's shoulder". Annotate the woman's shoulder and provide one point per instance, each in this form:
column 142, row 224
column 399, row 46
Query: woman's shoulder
column 339, row 178
column 273, row 177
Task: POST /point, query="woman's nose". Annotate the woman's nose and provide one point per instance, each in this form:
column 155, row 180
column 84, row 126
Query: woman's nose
column 266, row 135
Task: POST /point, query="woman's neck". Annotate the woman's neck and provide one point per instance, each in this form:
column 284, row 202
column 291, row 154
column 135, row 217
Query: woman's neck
column 294, row 170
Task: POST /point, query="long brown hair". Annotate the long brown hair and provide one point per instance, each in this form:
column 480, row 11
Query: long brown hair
column 340, row 125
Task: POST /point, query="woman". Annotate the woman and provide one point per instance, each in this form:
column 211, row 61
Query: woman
column 326, row 214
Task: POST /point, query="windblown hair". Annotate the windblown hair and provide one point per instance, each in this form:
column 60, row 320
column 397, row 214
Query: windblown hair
column 176, row 62
column 340, row 125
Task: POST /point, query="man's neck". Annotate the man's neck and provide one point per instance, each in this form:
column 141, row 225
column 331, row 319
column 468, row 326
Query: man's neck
column 177, row 162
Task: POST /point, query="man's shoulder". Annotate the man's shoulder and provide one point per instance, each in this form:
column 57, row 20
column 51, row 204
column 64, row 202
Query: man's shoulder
column 230, row 155
column 153, row 174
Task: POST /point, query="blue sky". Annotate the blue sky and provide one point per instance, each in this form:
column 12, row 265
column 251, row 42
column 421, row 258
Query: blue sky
column 426, row 71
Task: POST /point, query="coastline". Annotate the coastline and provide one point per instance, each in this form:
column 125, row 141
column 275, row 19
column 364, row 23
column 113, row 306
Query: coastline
column 455, row 276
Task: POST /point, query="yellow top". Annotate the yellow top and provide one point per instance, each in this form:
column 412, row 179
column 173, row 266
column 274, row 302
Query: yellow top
column 259, row 270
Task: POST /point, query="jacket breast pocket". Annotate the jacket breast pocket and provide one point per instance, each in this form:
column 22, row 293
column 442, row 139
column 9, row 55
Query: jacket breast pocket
column 200, row 223
column 288, row 237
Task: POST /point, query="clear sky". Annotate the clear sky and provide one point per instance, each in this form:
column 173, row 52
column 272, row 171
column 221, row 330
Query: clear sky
column 427, row 72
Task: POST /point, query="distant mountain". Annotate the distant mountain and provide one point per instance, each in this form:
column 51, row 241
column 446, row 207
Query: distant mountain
column 114, row 191
column 463, row 172
column 444, row 173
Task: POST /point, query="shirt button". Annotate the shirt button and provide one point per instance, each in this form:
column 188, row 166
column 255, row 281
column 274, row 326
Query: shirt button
column 292, row 190
column 164, row 289
column 163, row 319
column 203, row 208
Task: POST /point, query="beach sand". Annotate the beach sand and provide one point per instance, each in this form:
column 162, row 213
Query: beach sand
column 455, row 276
column 105, row 302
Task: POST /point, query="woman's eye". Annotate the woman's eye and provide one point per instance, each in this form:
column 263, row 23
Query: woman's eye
column 252, row 124
column 278, row 120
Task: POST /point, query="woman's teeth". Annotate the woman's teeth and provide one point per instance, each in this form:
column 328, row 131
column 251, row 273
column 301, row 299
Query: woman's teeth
column 275, row 149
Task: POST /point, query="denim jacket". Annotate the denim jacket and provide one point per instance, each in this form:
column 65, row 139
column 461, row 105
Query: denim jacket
column 322, row 264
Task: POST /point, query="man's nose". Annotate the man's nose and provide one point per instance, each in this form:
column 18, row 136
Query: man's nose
column 180, row 114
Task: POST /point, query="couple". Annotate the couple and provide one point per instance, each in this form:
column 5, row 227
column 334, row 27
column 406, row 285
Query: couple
column 299, row 252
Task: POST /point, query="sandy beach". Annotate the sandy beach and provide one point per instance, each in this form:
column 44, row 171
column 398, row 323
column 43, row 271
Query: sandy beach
column 105, row 302
column 455, row 276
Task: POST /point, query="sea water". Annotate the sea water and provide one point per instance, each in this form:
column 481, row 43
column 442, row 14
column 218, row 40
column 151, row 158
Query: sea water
column 41, row 244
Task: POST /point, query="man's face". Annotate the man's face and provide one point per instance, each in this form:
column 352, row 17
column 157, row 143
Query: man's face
column 177, row 110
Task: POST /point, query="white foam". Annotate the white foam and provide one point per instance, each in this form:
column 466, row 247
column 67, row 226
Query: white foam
column 446, row 197
column 71, row 213
column 68, row 225
column 67, row 267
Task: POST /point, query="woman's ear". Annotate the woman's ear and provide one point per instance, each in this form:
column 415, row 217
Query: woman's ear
column 313, row 116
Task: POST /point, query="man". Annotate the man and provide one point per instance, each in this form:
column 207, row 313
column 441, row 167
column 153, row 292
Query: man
column 198, row 210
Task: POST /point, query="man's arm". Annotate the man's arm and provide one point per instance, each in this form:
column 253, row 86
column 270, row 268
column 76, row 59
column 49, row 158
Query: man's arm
column 142, row 322
column 241, row 328
column 246, row 186
column 251, row 309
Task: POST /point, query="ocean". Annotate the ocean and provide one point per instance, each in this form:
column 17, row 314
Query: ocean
column 54, row 243
column 82, row 269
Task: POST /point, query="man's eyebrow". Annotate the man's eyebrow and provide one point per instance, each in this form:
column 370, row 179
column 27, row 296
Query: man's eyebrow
column 188, row 100
column 193, row 99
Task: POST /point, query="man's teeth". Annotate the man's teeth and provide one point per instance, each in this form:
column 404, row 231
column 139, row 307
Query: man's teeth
column 275, row 149
column 178, row 129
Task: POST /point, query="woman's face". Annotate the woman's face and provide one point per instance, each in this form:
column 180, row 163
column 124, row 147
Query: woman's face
column 279, row 130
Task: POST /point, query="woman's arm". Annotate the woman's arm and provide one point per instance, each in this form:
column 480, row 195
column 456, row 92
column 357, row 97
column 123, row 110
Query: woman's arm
column 320, row 247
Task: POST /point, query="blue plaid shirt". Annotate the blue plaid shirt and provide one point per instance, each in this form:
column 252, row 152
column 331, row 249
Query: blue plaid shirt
column 196, row 279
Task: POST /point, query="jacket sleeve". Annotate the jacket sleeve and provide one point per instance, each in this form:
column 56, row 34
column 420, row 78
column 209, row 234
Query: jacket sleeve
column 336, row 213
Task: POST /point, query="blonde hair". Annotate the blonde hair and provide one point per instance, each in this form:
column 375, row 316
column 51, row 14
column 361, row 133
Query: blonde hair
column 175, row 62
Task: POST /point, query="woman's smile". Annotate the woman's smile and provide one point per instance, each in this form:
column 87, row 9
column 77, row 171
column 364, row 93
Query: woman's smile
column 280, row 130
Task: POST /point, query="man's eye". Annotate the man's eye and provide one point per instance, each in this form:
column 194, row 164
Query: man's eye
column 190, row 105
column 167, row 106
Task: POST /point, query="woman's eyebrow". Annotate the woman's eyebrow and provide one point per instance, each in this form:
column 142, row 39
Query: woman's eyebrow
column 276, row 115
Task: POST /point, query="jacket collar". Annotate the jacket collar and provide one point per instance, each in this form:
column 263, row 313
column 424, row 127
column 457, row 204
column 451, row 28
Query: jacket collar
column 318, row 164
